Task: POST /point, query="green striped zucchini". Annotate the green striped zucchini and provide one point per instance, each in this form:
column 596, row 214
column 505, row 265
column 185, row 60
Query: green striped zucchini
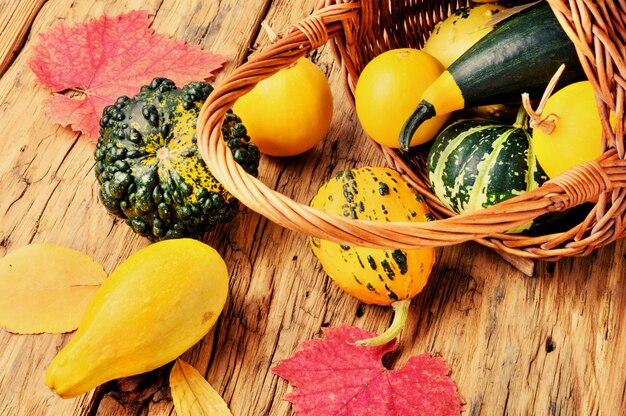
column 476, row 163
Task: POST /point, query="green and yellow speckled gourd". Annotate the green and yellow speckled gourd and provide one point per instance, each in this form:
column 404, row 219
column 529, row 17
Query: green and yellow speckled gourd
column 149, row 166
column 374, row 276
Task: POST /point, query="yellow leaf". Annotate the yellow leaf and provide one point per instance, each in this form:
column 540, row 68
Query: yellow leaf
column 46, row 288
column 193, row 395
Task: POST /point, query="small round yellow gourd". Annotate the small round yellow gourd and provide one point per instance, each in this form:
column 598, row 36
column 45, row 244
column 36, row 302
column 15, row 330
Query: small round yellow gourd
column 569, row 132
column 290, row 112
column 156, row 305
column 388, row 90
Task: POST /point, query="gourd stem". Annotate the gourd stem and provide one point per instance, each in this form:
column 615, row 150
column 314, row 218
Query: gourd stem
column 546, row 125
column 274, row 37
column 422, row 112
column 521, row 121
column 401, row 313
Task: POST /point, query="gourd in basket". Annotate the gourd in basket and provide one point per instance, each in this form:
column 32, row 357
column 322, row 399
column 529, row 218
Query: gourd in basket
column 359, row 31
column 519, row 55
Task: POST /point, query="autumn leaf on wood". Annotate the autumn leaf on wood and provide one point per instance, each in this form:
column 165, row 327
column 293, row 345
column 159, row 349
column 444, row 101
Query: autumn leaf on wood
column 108, row 58
column 46, row 288
column 193, row 395
column 332, row 376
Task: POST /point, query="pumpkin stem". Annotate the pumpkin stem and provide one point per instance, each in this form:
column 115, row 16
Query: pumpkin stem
column 401, row 313
column 546, row 124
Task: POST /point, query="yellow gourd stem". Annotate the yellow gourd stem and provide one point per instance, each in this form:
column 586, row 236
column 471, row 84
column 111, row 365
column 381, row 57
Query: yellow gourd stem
column 546, row 124
column 401, row 313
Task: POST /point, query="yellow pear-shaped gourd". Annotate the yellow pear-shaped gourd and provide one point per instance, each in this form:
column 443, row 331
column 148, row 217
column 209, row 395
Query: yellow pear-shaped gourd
column 375, row 276
column 157, row 304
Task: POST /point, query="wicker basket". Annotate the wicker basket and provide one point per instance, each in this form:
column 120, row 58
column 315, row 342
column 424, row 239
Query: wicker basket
column 358, row 31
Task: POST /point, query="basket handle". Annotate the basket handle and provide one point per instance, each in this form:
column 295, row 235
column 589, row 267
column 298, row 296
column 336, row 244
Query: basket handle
column 604, row 174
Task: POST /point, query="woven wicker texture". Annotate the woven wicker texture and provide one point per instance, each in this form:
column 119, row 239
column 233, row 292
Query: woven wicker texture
column 357, row 32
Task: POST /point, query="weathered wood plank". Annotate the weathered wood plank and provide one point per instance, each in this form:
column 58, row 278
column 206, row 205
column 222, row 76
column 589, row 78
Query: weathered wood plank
column 15, row 20
column 518, row 345
column 552, row 344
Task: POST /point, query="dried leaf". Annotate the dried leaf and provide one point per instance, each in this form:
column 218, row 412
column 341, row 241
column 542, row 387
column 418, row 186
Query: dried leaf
column 107, row 58
column 332, row 376
column 46, row 288
column 193, row 395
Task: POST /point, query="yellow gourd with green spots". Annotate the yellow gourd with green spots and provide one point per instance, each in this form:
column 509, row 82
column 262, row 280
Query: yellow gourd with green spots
column 375, row 276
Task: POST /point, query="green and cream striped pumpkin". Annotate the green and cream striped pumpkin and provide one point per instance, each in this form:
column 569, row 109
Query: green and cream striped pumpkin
column 477, row 163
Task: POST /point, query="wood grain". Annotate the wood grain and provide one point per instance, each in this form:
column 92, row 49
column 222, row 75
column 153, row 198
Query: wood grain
column 15, row 20
column 549, row 344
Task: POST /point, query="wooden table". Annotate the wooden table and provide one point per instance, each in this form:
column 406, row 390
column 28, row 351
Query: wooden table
column 551, row 344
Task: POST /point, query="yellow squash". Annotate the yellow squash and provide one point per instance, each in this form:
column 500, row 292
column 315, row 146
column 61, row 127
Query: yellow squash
column 152, row 308
column 388, row 90
column 571, row 132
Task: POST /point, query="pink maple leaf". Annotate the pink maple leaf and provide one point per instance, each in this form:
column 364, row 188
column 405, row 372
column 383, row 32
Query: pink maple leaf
column 332, row 376
column 107, row 58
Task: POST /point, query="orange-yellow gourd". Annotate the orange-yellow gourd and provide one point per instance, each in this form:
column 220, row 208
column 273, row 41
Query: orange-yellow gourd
column 375, row 276
column 156, row 305
column 388, row 90
column 570, row 132
column 290, row 112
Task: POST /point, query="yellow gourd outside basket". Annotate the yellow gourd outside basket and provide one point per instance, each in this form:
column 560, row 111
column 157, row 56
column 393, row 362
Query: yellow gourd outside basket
column 357, row 31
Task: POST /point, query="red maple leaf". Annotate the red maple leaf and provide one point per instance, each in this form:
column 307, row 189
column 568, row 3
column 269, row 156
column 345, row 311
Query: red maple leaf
column 107, row 58
column 332, row 376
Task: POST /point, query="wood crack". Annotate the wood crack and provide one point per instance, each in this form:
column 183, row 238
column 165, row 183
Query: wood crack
column 20, row 196
column 43, row 211
column 506, row 400
column 249, row 46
